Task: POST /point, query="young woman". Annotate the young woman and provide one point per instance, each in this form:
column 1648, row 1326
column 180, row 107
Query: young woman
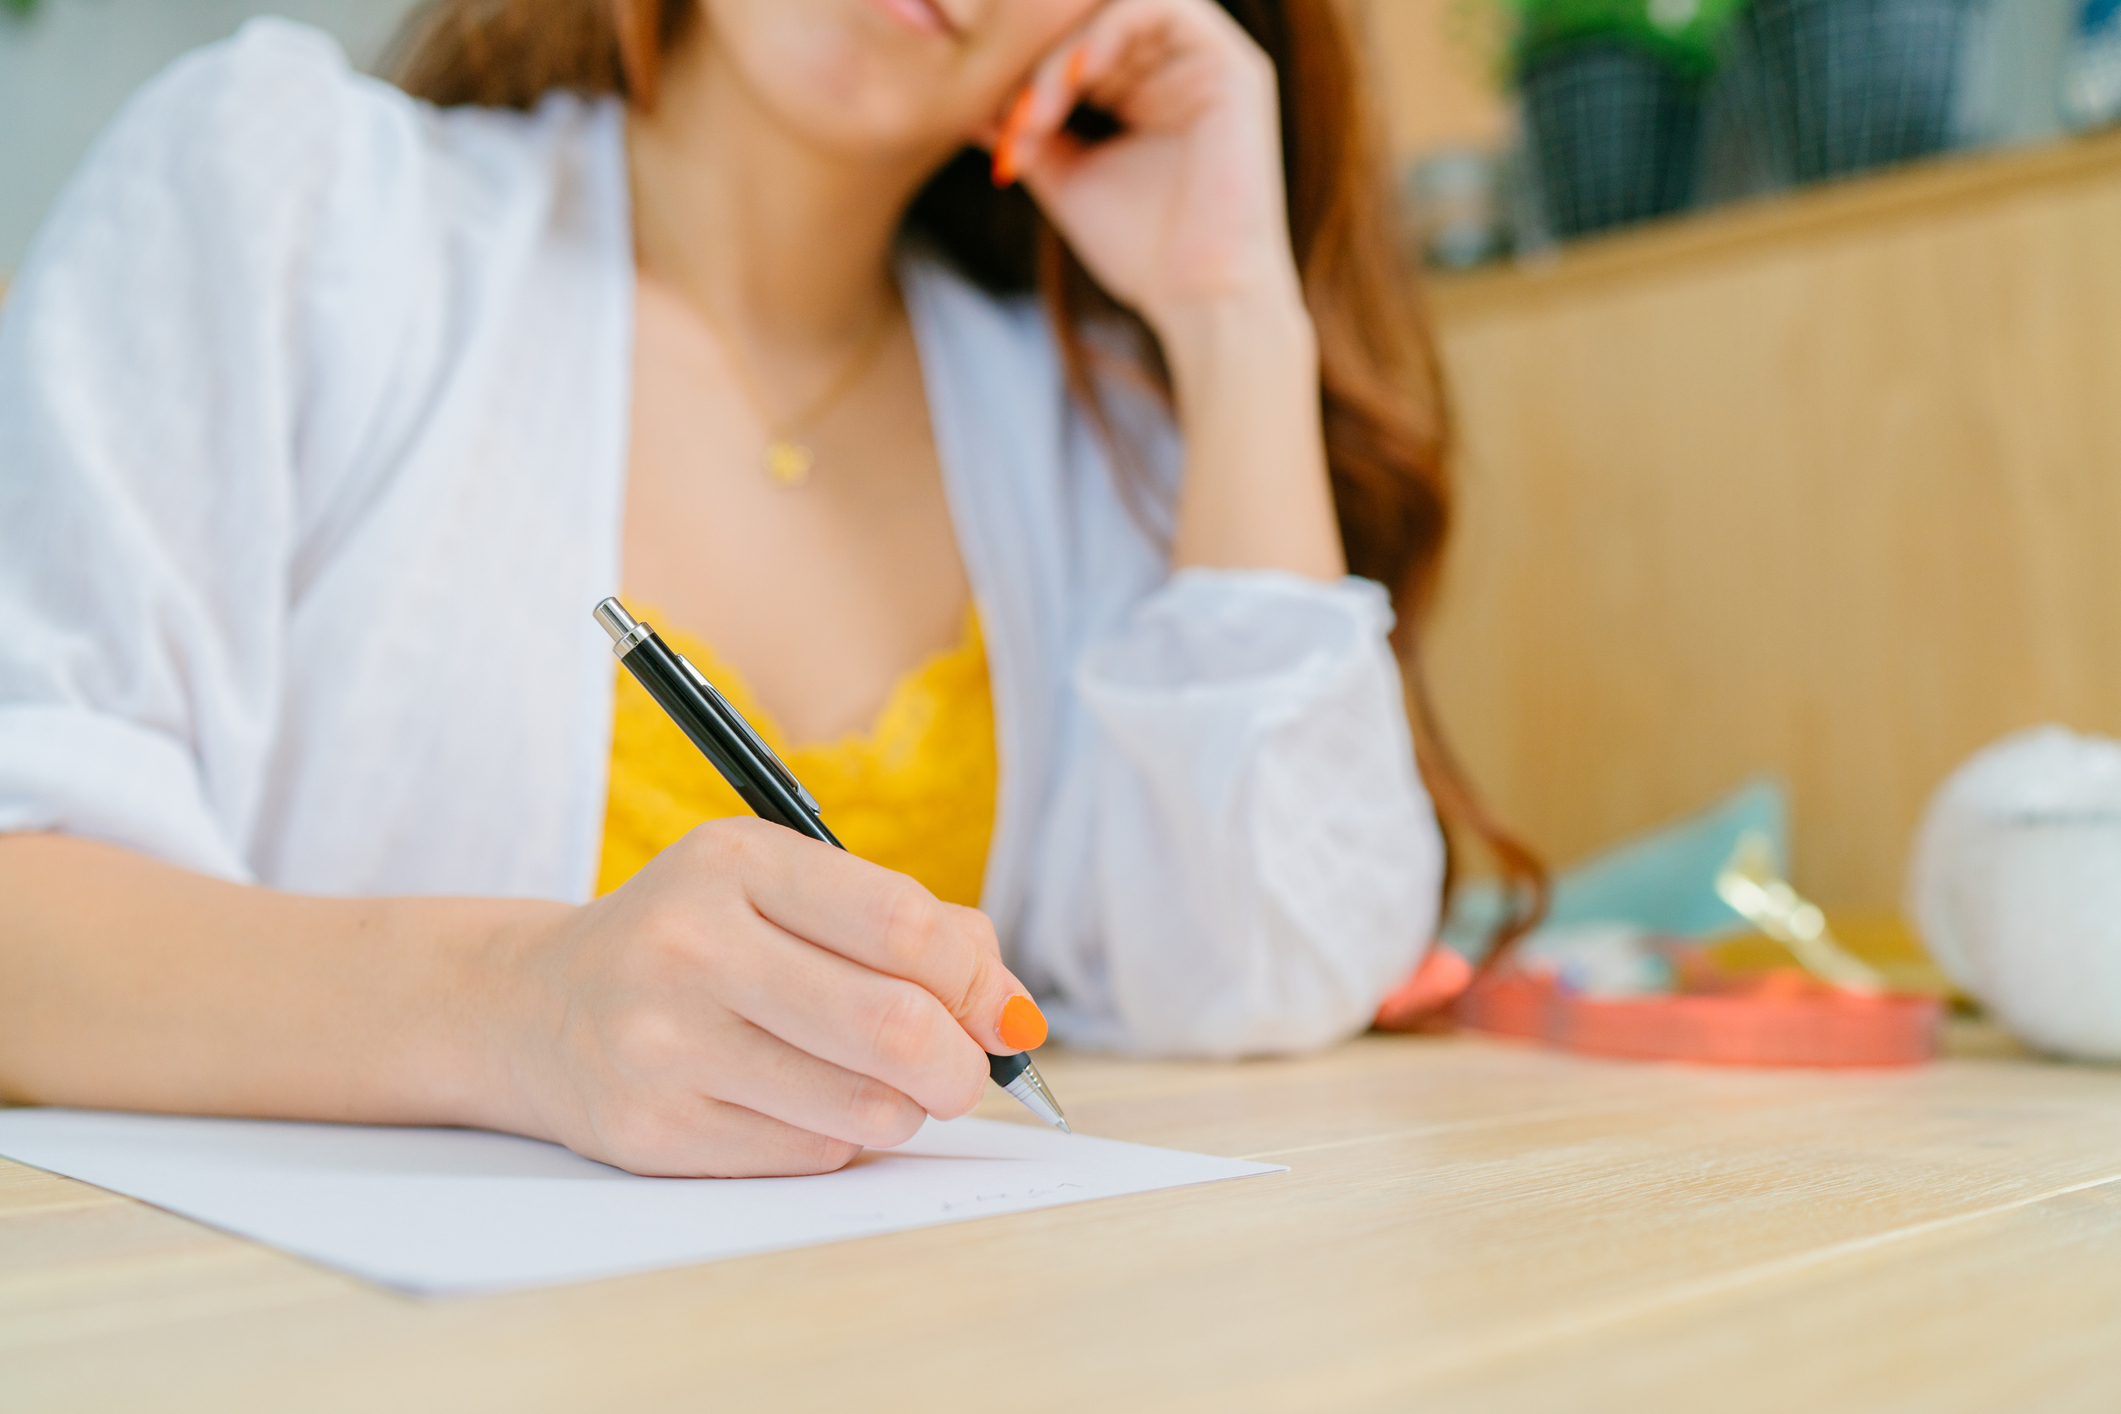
column 326, row 416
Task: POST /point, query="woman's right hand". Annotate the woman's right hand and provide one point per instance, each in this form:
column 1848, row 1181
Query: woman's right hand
column 753, row 1002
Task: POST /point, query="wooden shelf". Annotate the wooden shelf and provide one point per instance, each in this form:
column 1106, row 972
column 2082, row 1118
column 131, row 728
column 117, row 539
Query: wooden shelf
column 1785, row 222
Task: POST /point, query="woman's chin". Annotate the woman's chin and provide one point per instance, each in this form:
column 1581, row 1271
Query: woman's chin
column 860, row 88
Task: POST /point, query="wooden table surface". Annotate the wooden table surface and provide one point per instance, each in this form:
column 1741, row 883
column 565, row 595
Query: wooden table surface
column 1466, row 1225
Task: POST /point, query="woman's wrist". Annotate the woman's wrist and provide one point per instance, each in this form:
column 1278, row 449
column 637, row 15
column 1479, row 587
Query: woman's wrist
column 1244, row 370
column 1258, row 330
column 494, row 1005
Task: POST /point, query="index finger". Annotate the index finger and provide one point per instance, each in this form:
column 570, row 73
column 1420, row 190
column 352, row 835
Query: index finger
column 887, row 922
column 1114, row 52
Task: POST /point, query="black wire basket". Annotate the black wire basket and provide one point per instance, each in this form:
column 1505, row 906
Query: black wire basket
column 1843, row 86
column 1613, row 130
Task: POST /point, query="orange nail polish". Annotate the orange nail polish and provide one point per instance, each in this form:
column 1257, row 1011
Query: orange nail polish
column 1012, row 128
column 1023, row 1024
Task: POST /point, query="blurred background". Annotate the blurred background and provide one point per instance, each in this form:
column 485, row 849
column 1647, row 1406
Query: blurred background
column 1783, row 337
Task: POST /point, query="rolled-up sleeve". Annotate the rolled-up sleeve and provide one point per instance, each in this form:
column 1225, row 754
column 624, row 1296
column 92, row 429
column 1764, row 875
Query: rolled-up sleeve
column 150, row 413
column 1264, row 863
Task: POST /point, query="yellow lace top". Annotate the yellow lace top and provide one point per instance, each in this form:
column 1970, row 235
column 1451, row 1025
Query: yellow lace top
column 916, row 794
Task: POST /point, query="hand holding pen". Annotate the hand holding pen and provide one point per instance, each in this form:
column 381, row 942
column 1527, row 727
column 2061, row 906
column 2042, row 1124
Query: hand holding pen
column 990, row 1005
column 753, row 1002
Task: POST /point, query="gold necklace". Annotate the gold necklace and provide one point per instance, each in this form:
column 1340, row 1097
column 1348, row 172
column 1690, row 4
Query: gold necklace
column 788, row 460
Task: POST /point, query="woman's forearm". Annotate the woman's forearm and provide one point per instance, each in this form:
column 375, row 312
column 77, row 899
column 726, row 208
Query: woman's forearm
column 1256, row 494
column 752, row 1002
column 128, row 983
column 1183, row 217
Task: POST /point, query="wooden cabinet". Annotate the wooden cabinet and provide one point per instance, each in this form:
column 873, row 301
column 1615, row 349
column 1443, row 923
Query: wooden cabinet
column 1828, row 488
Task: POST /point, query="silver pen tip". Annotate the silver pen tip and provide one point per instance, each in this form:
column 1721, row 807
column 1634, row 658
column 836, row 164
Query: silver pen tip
column 1030, row 1090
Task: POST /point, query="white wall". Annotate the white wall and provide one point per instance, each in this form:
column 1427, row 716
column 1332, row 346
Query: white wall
column 2012, row 81
column 64, row 72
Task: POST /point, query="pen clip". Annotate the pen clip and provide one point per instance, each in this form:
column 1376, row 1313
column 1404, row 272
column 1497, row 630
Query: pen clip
column 750, row 736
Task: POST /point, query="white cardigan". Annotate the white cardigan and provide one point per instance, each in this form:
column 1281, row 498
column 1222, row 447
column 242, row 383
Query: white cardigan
column 313, row 411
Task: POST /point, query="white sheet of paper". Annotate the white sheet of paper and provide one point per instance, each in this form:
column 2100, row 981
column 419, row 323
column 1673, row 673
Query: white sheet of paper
column 444, row 1212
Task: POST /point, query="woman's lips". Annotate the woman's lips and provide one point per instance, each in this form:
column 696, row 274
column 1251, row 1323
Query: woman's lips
column 923, row 15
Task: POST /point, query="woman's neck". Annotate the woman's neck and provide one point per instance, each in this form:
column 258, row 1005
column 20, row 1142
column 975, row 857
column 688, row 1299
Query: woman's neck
column 786, row 242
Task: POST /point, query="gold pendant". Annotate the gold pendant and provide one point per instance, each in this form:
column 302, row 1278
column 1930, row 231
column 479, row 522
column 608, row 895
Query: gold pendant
column 788, row 463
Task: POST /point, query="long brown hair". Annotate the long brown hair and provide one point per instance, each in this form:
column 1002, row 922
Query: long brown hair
column 1386, row 426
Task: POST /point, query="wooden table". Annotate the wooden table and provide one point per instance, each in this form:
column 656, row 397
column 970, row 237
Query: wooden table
column 1466, row 1225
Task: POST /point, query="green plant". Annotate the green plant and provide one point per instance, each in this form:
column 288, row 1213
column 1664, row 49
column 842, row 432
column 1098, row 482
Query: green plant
column 22, row 9
column 1685, row 33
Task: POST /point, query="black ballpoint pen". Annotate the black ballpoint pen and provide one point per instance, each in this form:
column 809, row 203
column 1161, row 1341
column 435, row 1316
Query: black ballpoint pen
column 767, row 786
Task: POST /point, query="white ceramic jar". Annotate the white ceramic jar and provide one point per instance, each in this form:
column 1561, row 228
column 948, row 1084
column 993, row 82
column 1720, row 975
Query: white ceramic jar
column 2015, row 887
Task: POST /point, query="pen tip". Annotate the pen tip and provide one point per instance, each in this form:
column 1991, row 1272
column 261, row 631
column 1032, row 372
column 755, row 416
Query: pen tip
column 1029, row 1087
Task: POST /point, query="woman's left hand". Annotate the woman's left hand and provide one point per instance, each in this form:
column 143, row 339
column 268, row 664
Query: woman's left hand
column 1183, row 217
column 1185, row 208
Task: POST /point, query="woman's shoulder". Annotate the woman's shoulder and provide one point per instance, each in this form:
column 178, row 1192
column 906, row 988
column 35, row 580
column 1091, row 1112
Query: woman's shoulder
column 272, row 134
column 269, row 73
column 259, row 119
column 266, row 244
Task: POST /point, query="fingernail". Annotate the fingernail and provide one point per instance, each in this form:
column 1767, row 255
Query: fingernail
column 1023, row 1024
column 1012, row 126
